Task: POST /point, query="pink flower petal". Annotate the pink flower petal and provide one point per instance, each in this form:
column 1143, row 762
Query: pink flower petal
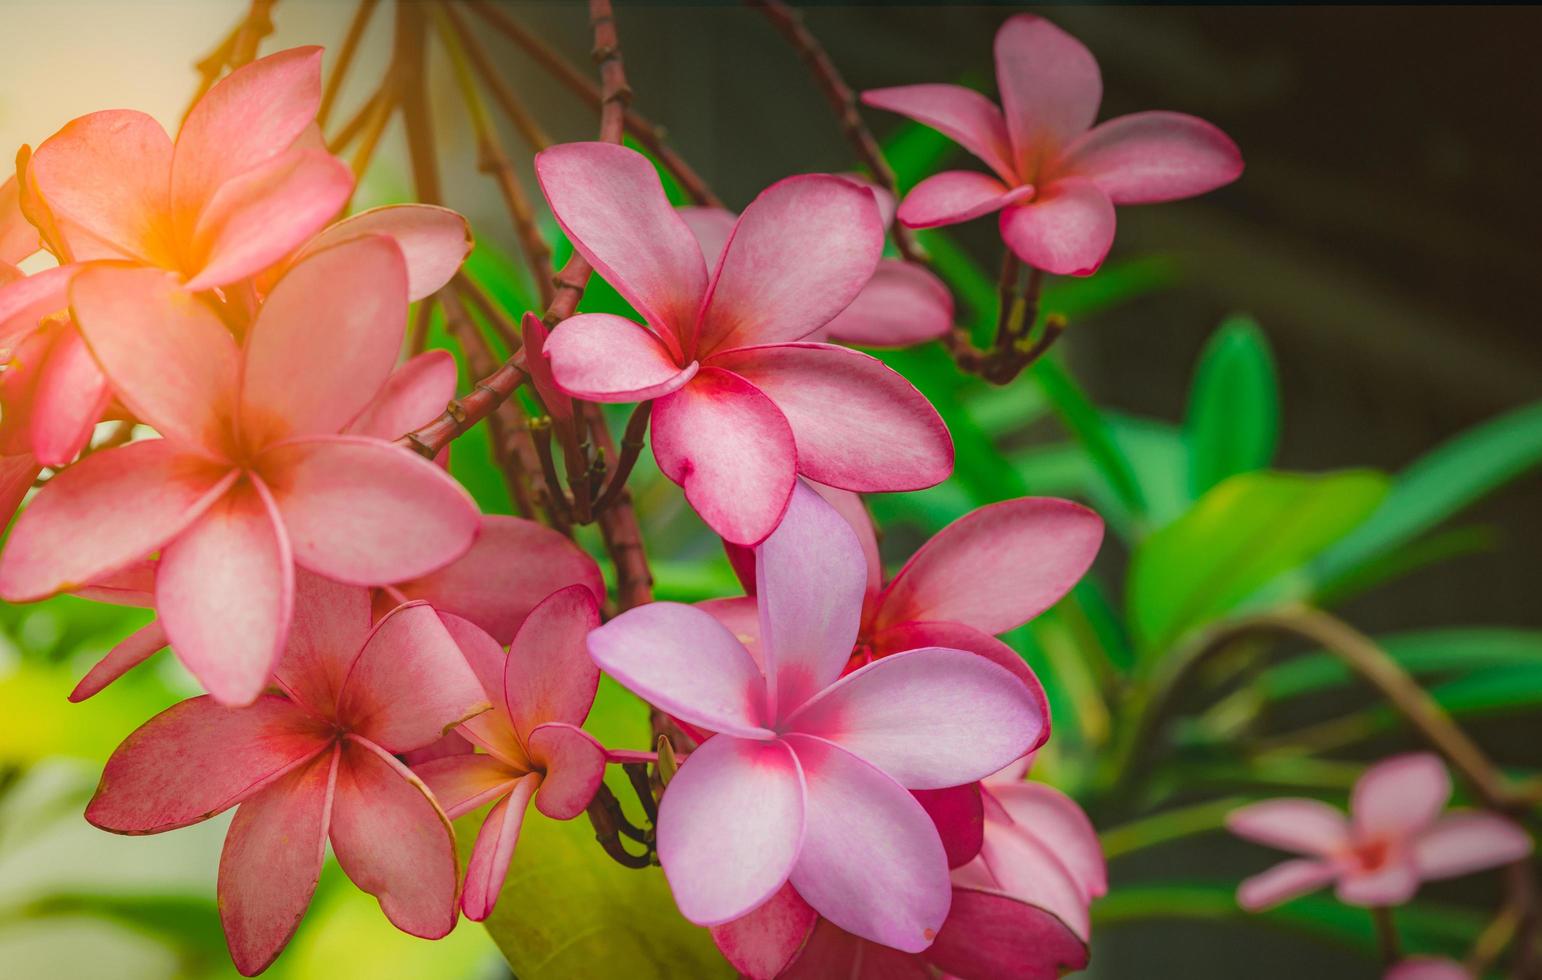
column 712, row 228
column 410, row 683
column 731, row 450
column 548, row 675
column 963, row 115
column 272, row 862
column 871, row 860
column 1018, row 862
column 730, row 827
column 960, row 818
column 327, row 629
column 434, row 241
column 251, row 116
column 885, row 201
column 16, row 476
column 412, row 396
column 609, row 201
column 224, row 590
column 683, row 661
column 104, row 513
column 133, row 651
column 1299, row 825
column 741, row 617
column 975, row 717
column 492, row 730
column 393, row 841
column 799, row 255
column 196, row 759
column 29, row 299
column 611, row 359
column 993, row 936
column 1283, row 882
column 833, row 952
column 462, row 783
column 366, row 512
column 170, row 359
column 574, row 765
column 1468, row 840
column 1050, row 87
column 538, row 364
column 494, row 849
column 1067, row 230
column 1392, row 884
column 761, row 943
column 18, row 239
column 810, row 577
column 1150, row 157
column 131, row 585
column 997, row 567
column 1400, row 795
column 1055, row 819
column 902, row 304
column 513, row 564
column 104, row 180
column 300, row 379
column 70, row 397
column 1427, row 968
column 954, row 196
column 858, row 425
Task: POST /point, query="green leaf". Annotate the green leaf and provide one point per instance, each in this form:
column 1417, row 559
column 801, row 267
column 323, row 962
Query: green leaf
column 1439, row 484
column 1083, row 420
column 1421, row 653
column 1238, row 538
column 1233, row 422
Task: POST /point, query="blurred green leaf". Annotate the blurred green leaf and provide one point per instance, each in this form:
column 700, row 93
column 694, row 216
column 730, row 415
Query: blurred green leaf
column 1240, row 536
column 1421, row 653
column 1432, row 549
column 1086, row 423
column 1233, row 421
column 1439, row 484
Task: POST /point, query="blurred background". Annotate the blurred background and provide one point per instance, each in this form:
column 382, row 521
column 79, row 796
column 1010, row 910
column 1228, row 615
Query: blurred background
column 1384, row 237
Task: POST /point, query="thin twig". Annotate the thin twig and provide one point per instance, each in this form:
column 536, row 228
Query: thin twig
column 529, row 129
column 345, row 54
column 609, row 823
column 501, row 324
column 632, row 442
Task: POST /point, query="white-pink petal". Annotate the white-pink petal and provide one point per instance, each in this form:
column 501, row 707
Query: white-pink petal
column 1151, row 157
column 601, row 357
column 1300, row 825
column 957, row 195
column 1066, row 230
column 1401, row 795
column 963, row 115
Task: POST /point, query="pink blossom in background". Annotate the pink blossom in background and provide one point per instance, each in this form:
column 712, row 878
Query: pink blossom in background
column 1427, row 968
column 251, row 475
column 742, row 405
column 533, row 749
column 1057, row 177
column 1395, row 837
column 314, row 765
column 806, row 778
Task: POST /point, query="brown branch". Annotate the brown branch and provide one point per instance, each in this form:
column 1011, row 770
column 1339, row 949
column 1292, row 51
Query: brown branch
column 632, row 442
column 237, row 48
column 529, row 129
column 648, row 134
column 609, row 824
column 345, row 55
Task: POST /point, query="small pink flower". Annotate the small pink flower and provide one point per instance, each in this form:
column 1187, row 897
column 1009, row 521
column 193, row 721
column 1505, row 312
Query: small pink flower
column 807, row 778
column 1427, row 968
column 251, row 475
column 1057, row 176
column 741, row 406
column 1395, row 838
column 316, row 764
column 541, row 691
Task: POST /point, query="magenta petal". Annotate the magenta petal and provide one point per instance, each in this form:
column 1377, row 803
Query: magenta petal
column 761, row 943
column 462, row 783
column 434, row 241
column 997, row 567
column 683, row 661
column 954, row 196
column 871, row 860
column 1067, row 230
column 133, row 651
column 1061, row 825
column 1300, row 825
column 902, row 304
column 800, row 253
column 1150, row 157
column 730, row 827
column 1392, row 884
column 1464, row 841
column 1284, row 882
column 833, row 952
column 976, row 717
column 197, row 758
column 960, row 818
column 731, row 450
column 272, row 861
column 412, row 396
column 611, row 359
column 857, row 424
column 1427, row 968
column 1400, row 795
column 574, row 765
column 394, row 842
column 224, row 591
column 1050, row 86
column 18, row 239
column 328, row 627
column 548, row 675
column 995, row 937
column 494, row 849
column 106, row 512
column 963, row 115
column 538, row 364
column 1015, row 860
column 70, row 397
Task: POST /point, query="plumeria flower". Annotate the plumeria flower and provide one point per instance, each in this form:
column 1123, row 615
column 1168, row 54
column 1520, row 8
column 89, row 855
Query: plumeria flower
column 806, row 778
column 1427, row 968
column 541, row 692
column 250, row 476
column 314, row 765
column 903, row 304
column 1394, row 838
column 1057, row 177
column 741, row 405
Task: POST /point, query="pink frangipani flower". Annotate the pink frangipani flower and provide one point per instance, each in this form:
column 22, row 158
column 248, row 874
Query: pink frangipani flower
column 741, row 404
column 806, row 779
column 1057, row 177
column 251, row 475
column 316, row 764
column 1427, row 968
column 1394, row 838
column 541, row 692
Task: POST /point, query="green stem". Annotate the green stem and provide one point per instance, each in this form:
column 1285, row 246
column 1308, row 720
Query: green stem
column 1169, row 825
